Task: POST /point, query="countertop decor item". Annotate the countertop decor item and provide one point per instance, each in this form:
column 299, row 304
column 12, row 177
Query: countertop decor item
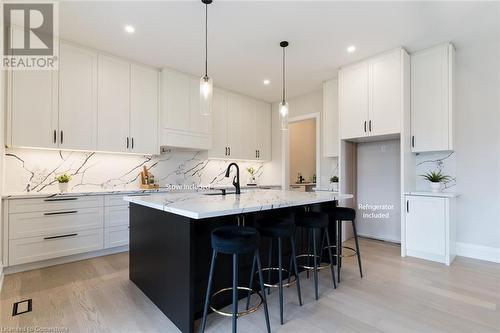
column 251, row 180
column 436, row 179
column 148, row 180
column 63, row 181
column 334, row 183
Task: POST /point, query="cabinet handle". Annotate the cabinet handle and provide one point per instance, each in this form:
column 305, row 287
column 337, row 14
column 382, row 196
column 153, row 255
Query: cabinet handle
column 226, row 152
column 55, row 136
column 62, row 236
column 127, row 142
column 132, row 142
column 60, row 213
column 62, row 137
column 413, row 141
column 365, row 126
column 258, row 153
column 370, row 125
column 229, row 151
column 61, row 199
column 407, row 206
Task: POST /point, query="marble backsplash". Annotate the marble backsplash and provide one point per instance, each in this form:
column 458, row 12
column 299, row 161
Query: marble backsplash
column 31, row 170
column 436, row 161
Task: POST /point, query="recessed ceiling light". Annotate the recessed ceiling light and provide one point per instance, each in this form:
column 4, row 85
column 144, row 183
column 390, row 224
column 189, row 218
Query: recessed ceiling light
column 266, row 82
column 351, row 49
column 130, row 29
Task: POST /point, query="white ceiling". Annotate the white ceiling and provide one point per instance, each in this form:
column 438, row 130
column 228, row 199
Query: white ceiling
column 244, row 36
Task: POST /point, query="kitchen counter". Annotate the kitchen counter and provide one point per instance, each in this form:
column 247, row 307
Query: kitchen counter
column 207, row 205
column 170, row 235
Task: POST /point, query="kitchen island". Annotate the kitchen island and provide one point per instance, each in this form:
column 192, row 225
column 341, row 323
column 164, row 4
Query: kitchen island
column 170, row 242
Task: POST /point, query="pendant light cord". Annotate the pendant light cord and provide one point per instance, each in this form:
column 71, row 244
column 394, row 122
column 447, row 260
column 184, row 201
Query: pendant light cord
column 284, row 82
column 206, row 40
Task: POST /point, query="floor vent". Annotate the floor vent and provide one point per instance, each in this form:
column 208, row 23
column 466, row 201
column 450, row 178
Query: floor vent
column 22, row 307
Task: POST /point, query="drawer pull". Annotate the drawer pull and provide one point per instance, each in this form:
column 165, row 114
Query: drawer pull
column 62, row 236
column 60, row 213
column 61, row 199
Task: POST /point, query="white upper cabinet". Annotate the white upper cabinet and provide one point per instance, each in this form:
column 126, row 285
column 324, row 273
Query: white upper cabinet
column 33, row 109
column 94, row 102
column 235, row 105
column 385, row 94
column 432, row 99
column 113, row 105
column 182, row 125
column 241, row 127
column 77, row 97
column 263, row 131
column 219, row 129
column 372, row 93
column 143, row 109
column 353, row 100
column 32, row 106
column 330, row 119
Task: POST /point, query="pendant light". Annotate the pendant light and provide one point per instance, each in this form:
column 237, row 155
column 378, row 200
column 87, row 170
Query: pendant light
column 283, row 106
column 206, row 83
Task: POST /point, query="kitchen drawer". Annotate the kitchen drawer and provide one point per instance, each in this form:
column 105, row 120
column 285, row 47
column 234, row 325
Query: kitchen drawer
column 24, row 225
column 116, row 215
column 115, row 200
column 22, row 251
column 54, row 204
column 116, row 236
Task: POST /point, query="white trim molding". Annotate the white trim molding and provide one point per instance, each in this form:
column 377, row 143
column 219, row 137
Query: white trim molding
column 478, row 252
column 1, row 276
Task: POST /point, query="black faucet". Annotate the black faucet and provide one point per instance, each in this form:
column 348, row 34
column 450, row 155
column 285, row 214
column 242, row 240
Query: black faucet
column 236, row 179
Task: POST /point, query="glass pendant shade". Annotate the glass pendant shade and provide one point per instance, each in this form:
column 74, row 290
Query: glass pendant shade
column 206, row 93
column 283, row 111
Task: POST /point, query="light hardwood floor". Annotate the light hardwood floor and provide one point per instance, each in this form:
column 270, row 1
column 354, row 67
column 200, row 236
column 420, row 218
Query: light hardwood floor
column 396, row 295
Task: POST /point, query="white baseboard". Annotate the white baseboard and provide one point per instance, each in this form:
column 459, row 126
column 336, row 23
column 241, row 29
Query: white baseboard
column 478, row 252
column 63, row 260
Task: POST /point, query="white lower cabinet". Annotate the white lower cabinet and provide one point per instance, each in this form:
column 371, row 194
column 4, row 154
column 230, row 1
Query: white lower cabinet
column 116, row 236
column 46, row 228
column 430, row 228
column 26, row 250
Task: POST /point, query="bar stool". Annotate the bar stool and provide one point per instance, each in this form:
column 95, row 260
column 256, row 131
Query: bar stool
column 278, row 228
column 312, row 222
column 235, row 241
column 337, row 215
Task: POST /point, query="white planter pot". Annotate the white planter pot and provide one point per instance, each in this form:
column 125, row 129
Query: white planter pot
column 63, row 187
column 436, row 187
column 334, row 186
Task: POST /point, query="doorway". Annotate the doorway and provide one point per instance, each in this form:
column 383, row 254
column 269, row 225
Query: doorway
column 303, row 153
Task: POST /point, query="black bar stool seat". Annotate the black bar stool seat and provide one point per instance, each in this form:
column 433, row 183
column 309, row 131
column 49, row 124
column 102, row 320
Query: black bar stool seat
column 313, row 222
column 235, row 241
column 275, row 228
column 278, row 228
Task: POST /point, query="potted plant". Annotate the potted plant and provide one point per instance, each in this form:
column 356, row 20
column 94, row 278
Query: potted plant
column 436, row 179
column 251, row 179
column 63, row 181
column 334, row 180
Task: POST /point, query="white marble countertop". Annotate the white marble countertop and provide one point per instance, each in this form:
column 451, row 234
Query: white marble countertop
column 201, row 189
column 199, row 205
column 434, row 194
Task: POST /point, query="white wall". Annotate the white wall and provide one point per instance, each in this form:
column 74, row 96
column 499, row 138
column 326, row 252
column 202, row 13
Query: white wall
column 477, row 128
column 302, row 105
